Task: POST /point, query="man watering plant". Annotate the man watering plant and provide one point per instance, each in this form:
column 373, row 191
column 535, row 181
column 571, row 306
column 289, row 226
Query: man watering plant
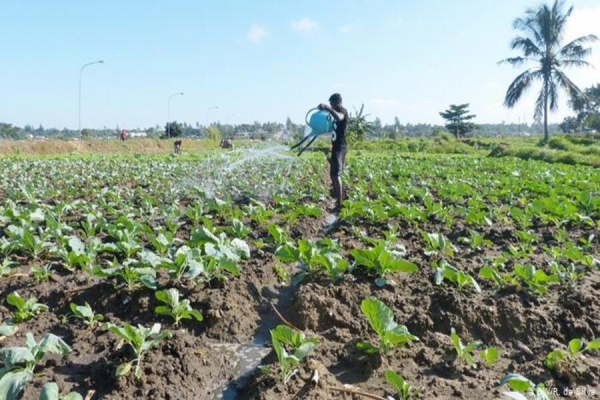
column 339, row 146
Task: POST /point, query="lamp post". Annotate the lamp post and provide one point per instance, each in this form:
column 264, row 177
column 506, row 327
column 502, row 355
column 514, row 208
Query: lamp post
column 169, row 112
column 208, row 111
column 80, row 71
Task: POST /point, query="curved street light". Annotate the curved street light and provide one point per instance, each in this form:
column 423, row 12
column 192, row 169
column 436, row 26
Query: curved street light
column 80, row 72
column 169, row 112
column 208, row 111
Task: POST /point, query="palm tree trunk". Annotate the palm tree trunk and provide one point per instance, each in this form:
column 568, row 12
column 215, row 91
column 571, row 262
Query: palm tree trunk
column 546, row 136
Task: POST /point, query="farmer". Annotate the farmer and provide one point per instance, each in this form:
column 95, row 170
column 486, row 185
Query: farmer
column 338, row 145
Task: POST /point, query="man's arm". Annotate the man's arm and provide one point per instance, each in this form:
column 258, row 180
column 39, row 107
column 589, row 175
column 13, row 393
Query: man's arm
column 337, row 115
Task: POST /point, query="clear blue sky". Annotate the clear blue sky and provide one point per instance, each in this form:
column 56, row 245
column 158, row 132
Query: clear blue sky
column 262, row 60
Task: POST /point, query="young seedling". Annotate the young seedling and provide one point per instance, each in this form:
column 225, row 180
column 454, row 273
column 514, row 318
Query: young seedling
column 382, row 261
column 86, row 314
column 140, row 341
column 464, row 353
column 403, row 388
column 381, row 319
column 41, row 273
column 444, row 271
column 519, row 384
column 7, row 329
column 19, row 362
column 50, row 392
column 26, row 309
column 560, row 357
column 6, row 267
column 174, row 307
column 297, row 343
column 489, row 355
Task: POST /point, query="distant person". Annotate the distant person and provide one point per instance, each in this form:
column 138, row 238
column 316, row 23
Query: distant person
column 339, row 147
column 123, row 135
column 177, row 146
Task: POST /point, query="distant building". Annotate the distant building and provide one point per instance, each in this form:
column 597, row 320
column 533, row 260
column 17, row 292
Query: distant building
column 137, row 134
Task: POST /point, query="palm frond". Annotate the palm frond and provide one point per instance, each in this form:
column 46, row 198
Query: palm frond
column 575, row 49
column 529, row 27
column 519, row 86
column 526, row 44
column 575, row 63
column 539, row 106
column 552, row 95
column 567, row 85
column 516, row 61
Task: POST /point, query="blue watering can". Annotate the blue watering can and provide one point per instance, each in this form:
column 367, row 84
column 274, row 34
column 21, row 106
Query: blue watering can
column 319, row 123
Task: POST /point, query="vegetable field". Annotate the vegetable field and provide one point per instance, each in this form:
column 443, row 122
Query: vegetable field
column 442, row 277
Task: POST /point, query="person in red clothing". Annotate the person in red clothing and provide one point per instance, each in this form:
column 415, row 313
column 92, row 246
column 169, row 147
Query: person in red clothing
column 123, row 135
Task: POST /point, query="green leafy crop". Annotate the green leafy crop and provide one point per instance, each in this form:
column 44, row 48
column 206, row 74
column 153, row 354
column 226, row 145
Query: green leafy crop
column 26, row 309
column 174, row 307
column 381, row 319
column 291, row 347
column 383, row 261
column 141, row 340
column 19, row 362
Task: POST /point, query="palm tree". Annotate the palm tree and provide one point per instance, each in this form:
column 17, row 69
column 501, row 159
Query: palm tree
column 358, row 126
column 542, row 30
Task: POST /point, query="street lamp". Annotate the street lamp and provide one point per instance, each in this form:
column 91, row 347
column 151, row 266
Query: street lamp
column 169, row 113
column 208, row 111
column 80, row 71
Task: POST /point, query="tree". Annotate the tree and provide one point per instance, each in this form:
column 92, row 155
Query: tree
column 86, row 134
column 542, row 30
column 458, row 118
column 358, row 127
column 213, row 133
column 587, row 107
column 173, row 129
column 291, row 128
column 569, row 125
column 8, row 131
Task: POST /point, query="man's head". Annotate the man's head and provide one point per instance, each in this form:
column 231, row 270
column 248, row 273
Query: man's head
column 336, row 101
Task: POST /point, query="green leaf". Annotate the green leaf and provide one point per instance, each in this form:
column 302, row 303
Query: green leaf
column 49, row 392
column 16, row 355
column 380, row 317
column 395, row 380
column 7, row 330
column 162, row 310
column 593, row 345
column 13, row 383
column 76, row 245
column 456, row 341
column 72, row 396
column 123, row 369
column 14, row 299
column 196, row 314
column 287, row 253
column 365, row 258
column 240, row 247
column 138, row 371
column 489, row 355
column 51, row 343
column 575, row 346
column 517, row 382
column 367, row 348
column 553, row 358
column 399, row 265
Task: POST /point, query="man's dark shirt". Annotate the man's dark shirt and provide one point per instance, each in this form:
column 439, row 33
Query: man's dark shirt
column 340, row 132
